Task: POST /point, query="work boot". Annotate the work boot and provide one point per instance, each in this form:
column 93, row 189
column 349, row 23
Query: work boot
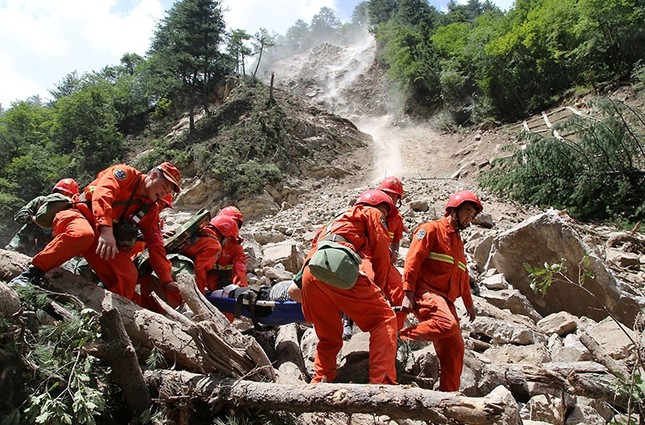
column 347, row 328
column 33, row 275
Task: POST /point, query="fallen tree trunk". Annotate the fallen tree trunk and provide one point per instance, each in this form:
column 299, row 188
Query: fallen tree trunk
column 123, row 360
column 215, row 328
column 397, row 402
column 588, row 379
column 12, row 264
column 187, row 347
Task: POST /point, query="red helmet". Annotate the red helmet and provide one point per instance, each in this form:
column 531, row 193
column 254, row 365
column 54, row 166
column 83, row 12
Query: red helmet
column 234, row 213
column 392, row 185
column 375, row 197
column 460, row 197
column 166, row 201
column 225, row 225
column 67, row 187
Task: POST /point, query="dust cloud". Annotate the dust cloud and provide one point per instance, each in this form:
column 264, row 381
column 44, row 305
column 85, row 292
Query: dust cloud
column 348, row 81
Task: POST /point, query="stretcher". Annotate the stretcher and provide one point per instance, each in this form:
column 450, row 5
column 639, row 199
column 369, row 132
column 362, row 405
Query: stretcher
column 263, row 313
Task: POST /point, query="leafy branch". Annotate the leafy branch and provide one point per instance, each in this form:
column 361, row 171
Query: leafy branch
column 544, row 278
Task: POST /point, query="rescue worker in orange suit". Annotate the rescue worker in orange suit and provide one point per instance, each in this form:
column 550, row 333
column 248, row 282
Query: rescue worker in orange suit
column 203, row 249
column 207, row 246
column 140, row 244
column 434, row 276
column 147, row 283
column 120, row 194
column 230, row 267
column 362, row 228
column 31, row 238
column 393, row 288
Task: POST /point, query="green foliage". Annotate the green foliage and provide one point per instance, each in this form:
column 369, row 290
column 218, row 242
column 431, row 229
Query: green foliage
column 251, row 178
column 298, row 37
column 324, row 23
column 86, row 127
column 506, row 65
column 639, row 76
column 632, row 386
column 185, row 48
column 159, row 152
column 71, row 83
column 542, row 278
column 412, row 62
column 67, row 386
column 612, row 37
column 238, row 50
column 597, row 173
column 380, row 12
column 24, row 127
column 243, row 417
column 261, row 41
column 155, row 358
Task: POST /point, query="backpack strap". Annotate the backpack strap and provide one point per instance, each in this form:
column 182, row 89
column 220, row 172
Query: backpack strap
column 193, row 239
column 127, row 204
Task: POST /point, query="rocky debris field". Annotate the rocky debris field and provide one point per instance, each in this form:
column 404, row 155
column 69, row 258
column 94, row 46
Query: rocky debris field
column 547, row 339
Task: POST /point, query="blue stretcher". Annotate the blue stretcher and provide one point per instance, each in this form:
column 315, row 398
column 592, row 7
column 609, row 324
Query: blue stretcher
column 262, row 312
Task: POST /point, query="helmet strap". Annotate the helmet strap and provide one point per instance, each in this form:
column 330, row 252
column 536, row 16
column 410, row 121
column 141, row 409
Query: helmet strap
column 454, row 214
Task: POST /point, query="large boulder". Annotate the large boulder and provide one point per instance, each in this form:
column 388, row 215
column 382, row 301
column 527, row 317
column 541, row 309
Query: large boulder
column 547, row 238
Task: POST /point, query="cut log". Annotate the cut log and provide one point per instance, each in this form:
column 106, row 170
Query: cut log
column 397, row 402
column 601, row 356
column 123, row 360
column 219, row 338
column 12, row 264
column 188, row 347
column 588, row 379
column 287, row 348
column 9, row 301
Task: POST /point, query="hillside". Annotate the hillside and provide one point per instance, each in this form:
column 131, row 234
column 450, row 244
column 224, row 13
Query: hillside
column 339, row 131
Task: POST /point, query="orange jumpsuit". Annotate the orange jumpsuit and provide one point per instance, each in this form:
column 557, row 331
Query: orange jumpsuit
column 204, row 251
column 393, row 289
column 435, row 270
column 230, row 267
column 364, row 229
column 76, row 231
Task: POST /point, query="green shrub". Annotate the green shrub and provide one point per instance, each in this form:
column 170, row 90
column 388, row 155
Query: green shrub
column 639, row 75
column 597, row 173
column 54, row 380
column 251, row 177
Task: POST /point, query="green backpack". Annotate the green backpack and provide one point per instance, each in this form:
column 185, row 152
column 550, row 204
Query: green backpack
column 335, row 264
column 53, row 204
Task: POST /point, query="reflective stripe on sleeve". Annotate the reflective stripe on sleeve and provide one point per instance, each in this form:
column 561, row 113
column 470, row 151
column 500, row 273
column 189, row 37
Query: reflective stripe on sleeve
column 446, row 259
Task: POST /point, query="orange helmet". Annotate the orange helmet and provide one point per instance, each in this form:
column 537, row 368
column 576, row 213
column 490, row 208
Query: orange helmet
column 375, row 197
column 458, row 198
column 234, row 213
column 67, row 187
column 392, row 185
column 166, row 201
column 225, row 225
column 171, row 173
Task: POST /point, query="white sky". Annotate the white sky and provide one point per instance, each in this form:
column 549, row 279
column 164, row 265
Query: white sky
column 41, row 41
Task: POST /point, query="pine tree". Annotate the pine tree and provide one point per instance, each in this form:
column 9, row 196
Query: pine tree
column 186, row 47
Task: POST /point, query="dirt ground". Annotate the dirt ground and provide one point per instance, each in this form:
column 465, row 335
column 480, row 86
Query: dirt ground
column 348, row 82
